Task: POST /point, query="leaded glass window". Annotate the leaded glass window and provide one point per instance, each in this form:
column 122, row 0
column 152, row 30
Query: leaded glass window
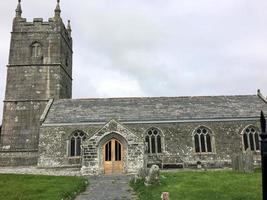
column 251, row 139
column 153, row 141
column 202, row 140
column 75, row 143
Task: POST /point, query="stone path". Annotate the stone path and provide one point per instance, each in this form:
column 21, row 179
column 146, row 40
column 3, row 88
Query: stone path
column 108, row 187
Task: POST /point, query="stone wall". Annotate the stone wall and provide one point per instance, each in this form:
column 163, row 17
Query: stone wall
column 20, row 128
column 55, row 139
column 53, row 143
column 18, row 158
column 32, row 79
column 133, row 159
column 177, row 143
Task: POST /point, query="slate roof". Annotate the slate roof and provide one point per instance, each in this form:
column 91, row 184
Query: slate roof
column 154, row 108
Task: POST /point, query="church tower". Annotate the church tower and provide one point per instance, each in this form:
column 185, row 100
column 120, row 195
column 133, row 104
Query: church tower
column 39, row 69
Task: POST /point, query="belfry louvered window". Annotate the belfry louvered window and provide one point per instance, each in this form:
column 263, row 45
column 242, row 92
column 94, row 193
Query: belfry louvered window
column 153, row 141
column 75, row 143
column 203, row 140
column 251, row 139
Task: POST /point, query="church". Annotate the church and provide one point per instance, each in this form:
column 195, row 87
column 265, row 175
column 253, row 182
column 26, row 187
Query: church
column 43, row 126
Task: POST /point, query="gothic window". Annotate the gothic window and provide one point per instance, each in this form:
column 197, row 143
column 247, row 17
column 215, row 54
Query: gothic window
column 202, row 140
column 251, row 139
column 36, row 50
column 75, row 143
column 153, row 141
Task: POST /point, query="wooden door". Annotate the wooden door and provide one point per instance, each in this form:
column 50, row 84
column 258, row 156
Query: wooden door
column 113, row 156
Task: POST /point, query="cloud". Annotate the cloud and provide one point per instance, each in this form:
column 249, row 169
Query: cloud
column 159, row 48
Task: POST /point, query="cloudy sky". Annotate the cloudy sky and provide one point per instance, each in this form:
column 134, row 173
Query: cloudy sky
column 156, row 48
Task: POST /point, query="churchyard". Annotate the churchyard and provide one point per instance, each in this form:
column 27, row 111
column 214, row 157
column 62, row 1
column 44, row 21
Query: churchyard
column 33, row 187
column 204, row 185
column 186, row 185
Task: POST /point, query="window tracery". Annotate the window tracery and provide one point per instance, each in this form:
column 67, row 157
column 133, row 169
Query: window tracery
column 75, row 143
column 251, row 139
column 153, row 141
column 203, row 140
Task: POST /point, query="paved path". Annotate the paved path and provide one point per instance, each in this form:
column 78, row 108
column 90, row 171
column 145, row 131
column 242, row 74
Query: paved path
column 108, row 187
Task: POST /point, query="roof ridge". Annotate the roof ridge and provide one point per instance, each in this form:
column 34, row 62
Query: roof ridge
column 154, row 97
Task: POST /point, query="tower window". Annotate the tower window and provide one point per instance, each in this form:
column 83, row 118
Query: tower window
column 67, row 59
column 75, row 143
column 66, row 62
column 36, row 50
column 251, row 139
column 153, row 140
column 202, row 140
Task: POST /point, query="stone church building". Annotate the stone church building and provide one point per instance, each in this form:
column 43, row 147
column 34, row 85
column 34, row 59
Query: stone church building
column 42, row 125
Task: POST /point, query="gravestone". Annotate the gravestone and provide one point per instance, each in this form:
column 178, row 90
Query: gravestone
column 243, row 162
column 153, row 176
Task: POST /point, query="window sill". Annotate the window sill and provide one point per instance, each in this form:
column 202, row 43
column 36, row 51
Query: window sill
column 257, row 151
column 204, row 153
column 74, row 157
column 154, row 154
column 75, row 160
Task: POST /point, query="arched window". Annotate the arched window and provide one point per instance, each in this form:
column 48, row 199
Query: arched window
column 36, row 49
column 153, row 141
column 75, row 143
column 251, row 138
column 202, row 140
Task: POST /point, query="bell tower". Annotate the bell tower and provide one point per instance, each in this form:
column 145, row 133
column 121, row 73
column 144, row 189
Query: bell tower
column 39, row 69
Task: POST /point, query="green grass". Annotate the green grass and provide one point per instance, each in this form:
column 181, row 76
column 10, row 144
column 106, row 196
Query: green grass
column 210, row 185
column 33, row 187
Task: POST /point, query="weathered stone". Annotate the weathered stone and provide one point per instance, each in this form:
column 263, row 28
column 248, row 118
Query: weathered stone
column 142, row 173
column 243, row 162
column 153, row 176
column 39, row 69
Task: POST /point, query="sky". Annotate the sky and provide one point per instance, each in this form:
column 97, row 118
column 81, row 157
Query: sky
column 156, row 48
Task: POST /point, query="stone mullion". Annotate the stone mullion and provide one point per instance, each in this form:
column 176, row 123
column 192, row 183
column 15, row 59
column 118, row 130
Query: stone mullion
column 199, row 143
column 205, row 142
column 248, row 140
column 156, row 143
column 150, row 144
column 75, row 146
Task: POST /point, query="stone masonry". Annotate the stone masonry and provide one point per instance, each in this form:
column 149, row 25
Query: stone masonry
column 133, row 154
column 43, row 126
column 40, row 68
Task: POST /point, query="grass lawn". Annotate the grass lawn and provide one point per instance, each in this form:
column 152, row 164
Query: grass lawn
column 210, row 185
column 33, row 187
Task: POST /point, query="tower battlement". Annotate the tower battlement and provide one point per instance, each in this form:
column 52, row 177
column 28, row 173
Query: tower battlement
column 39, row 25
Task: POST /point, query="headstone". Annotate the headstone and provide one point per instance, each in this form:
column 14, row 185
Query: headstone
column 143, row 172
column 243, row 162
column 153, row 176
column 248, row 162
column 199, row 166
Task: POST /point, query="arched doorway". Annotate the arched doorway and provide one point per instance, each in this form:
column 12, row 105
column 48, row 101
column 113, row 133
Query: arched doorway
column 113, row 153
